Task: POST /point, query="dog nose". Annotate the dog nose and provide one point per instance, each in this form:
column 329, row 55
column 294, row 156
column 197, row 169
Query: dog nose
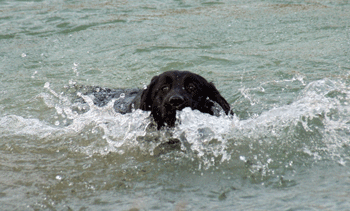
column 176, row 100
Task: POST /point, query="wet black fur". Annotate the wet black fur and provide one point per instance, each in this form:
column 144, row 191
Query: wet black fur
column 175, row 90
column 168, row 92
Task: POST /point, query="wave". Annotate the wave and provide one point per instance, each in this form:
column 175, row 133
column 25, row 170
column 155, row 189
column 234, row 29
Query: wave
column 315, row 127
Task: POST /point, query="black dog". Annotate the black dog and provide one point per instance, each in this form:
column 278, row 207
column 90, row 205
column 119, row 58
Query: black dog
column 167, row 93
column 176, row 90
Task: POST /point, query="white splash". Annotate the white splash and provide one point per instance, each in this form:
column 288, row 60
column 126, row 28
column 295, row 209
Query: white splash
column 211, row 139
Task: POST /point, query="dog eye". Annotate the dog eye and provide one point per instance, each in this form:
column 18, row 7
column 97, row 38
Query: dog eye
column 191, row 87
column 165, row 88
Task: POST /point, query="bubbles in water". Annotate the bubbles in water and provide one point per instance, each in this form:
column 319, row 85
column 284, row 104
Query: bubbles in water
column 75, row 68
column 71, row 82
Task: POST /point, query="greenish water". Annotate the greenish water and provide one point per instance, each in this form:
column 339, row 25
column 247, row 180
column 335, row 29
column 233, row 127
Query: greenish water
column 282, row 65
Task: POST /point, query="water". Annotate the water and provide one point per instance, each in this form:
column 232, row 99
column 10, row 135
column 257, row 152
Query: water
column 282, row 65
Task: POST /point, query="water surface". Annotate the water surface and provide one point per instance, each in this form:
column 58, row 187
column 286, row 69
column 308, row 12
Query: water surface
column 282, row 65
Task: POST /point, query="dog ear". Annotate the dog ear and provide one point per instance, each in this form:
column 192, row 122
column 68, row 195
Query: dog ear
column 146, row 97
column 215, row 95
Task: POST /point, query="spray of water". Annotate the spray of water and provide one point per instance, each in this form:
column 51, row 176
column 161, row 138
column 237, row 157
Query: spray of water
column 313, row 127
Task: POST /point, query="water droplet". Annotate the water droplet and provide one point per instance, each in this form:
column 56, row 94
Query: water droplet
column 242, row 158
column 72, row 82
column 47, row 85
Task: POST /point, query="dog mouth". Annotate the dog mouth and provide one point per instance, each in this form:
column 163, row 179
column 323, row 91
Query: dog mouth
column 179, row 107
column 169, row 113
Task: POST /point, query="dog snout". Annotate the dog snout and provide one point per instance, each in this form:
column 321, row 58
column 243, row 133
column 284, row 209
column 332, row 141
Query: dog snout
column 176, row 100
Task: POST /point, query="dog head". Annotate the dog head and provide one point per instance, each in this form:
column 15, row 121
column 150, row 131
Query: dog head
column 175, row 90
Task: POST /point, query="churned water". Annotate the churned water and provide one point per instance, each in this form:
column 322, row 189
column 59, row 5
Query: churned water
column 284, row 66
